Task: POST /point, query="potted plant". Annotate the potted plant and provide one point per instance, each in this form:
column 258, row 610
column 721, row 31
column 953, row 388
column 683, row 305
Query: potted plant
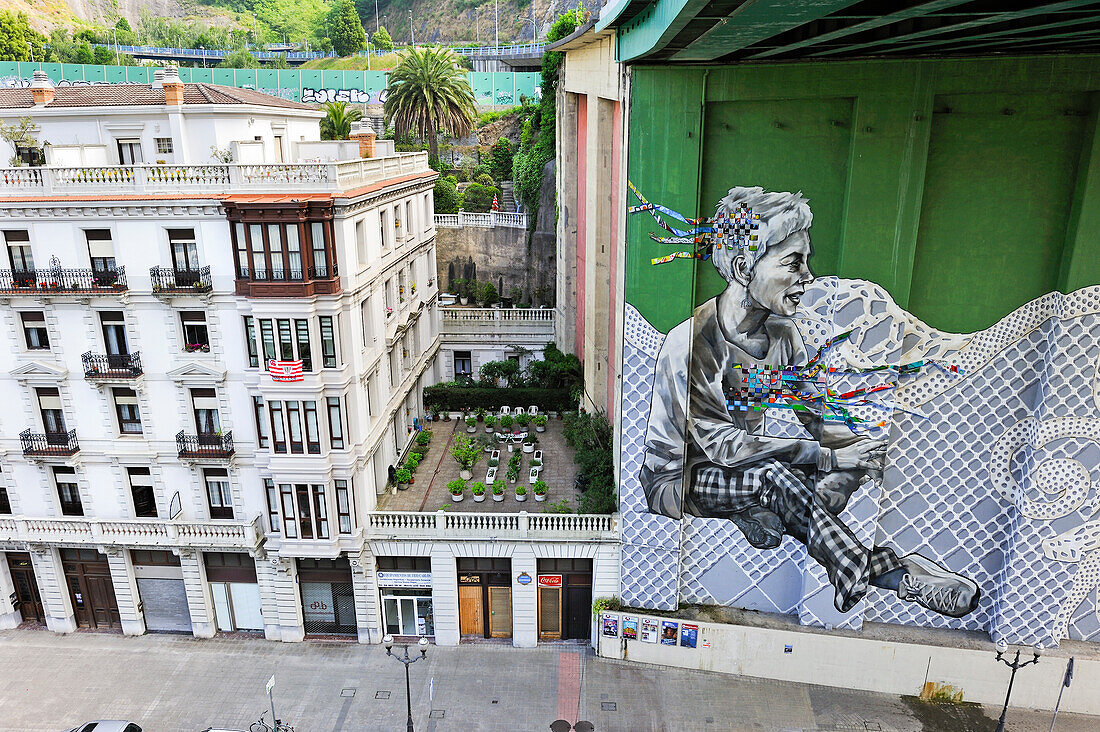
column 493, row 462
column 536, row 463
column 539, row 488
column 412, row 462
column 540, row 421
column 403, row 476
column 471, row 424
column 479, row 412
column 521, row 493
column 490, row 422
column 478, row 491
column 523, row 419
column 529, row 444
column 456, row 487
column 506, row 422
column 424, row 438
column 498, row 490
column 466, row 453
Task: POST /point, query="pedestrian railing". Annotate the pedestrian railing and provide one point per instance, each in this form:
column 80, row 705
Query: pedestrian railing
column 481, row 220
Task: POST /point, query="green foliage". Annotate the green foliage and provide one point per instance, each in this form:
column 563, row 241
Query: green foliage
column 336, row 124
column 523, row 419
column 279, row 62
column 478, row 488
column 590, row 436
column 557, row 370
column 84, row 54
column 521, row 490
column 500, row 159
column 428, row 94
column 487, row 294
column 465, row 452
column 412, row 462
column 603, row 604
column 424, row 438
column 498, row 487
column 561, row 506
column 490, row 421
column 447, row 198
column 456, row 486
column 15, row 34
column 491, row 372
column 507, row 421
column 485, row 118
column 484, row 179
column 381, row 40
column 471, row 421
column 540, row 487
column 540, row 420
column 123, row 26
column 346, row 29
column 402, row 475
column 240, row 59
column 452, row 397
column 478, row 198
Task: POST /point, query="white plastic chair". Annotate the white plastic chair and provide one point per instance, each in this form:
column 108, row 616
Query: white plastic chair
column 533, row 410
column 518, row 410
column 504, row 411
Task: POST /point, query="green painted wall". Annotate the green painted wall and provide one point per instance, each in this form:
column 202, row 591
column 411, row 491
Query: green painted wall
column 964, row 187
column 498, row 88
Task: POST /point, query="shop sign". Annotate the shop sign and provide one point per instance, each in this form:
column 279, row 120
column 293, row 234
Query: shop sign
column 405, row 580
column 524, row 578
column 549, row 580
column 469, row 579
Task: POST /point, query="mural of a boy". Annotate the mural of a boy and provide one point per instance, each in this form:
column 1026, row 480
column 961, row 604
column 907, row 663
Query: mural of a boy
column 770, row 486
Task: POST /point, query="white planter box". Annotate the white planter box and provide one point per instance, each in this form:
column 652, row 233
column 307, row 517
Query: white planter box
column 458, row 498
column 498, row 498
column 490, row 475
column 522, row 498
column 541, row 498
column 534, row 474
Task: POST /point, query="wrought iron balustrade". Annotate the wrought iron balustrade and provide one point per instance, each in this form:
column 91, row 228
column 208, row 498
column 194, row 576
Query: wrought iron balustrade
column 111, row 365
column 169, row 280
column 61, row 444
column 205, row 445
column 63, row 281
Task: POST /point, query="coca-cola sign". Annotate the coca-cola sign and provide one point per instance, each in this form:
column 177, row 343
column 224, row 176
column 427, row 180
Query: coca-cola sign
column 549, row 580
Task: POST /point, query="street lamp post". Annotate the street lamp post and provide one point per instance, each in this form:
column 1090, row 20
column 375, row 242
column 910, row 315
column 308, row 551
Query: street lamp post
column 202, row 52
column 412, row 30
column 1015, row 664
column 423, row 644
column 114, row 32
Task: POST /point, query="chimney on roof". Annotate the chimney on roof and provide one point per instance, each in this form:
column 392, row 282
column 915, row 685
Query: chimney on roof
column 42, row 89
column 158, row 79
column 364, row 133
column 173, row 87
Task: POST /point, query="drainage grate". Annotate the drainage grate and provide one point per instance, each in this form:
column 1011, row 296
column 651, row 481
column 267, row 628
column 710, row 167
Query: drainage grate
column 608, row 706
column 347, row 692
column 436, row 714
column 381, row 695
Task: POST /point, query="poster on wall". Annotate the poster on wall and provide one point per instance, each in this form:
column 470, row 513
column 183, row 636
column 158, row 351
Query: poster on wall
column 649, row 630
column 630, row 627
column 668, row 632
column 689, row 635
column 611, row 625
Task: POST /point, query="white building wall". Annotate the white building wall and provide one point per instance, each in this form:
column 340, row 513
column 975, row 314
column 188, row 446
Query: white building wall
column 9, row 616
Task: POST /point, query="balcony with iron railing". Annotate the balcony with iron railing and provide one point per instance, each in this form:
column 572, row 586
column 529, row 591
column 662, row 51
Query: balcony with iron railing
column 171, row 281
column 140, row 532
column 59, row 281
column 49, row 444
column 111, row 366
column 212, row 179
column 205, row 446
column 288, row 282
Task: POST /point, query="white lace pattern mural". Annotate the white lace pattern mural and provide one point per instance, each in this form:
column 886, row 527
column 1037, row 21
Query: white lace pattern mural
column 991, row 472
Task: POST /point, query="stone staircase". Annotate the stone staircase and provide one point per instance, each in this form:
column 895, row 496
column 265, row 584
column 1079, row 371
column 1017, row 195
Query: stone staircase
column 507, row 197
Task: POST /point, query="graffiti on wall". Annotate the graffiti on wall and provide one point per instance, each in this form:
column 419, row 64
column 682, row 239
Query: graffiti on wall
column 805, row 446
column 353, row 96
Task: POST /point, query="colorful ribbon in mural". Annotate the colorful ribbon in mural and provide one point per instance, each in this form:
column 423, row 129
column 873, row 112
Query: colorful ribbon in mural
column 705, row 234
column 806, row 389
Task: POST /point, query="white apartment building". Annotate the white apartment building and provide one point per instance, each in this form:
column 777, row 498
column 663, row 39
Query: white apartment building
column 154, row 474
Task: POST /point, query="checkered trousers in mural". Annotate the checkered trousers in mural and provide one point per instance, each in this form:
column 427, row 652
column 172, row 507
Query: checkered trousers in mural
column 805, row 446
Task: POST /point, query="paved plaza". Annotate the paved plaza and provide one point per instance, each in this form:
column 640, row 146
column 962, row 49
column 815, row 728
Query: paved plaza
column 170, row 683
column 429, row 491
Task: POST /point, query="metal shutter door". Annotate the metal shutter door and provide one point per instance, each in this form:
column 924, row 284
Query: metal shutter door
column 165, row 604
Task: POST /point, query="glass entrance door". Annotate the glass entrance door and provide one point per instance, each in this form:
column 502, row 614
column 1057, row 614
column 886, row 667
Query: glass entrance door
column 408, row 614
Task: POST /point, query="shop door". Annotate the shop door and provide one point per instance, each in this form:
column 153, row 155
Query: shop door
column 578, row 612
column 470, row 621
column 90, row 589
column 500, row 612
column 550, row 613
column 165, row 605
column 27, row 600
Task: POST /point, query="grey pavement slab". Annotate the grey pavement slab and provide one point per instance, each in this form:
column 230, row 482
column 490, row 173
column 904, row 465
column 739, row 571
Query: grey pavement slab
column 170, row 683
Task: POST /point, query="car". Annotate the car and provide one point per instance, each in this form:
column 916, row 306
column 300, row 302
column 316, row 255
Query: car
column 107, row 725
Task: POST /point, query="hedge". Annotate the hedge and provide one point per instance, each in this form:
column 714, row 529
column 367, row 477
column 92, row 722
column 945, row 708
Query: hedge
column 457, row 398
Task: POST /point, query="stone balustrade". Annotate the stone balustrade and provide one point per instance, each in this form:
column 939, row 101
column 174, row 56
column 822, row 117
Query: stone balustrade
column 140, row 532
column 464, row 526
column 481, row 220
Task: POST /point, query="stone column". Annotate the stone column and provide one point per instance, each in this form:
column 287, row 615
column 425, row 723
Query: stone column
column 525, row 614
column 364, row 584
column 200, row 603
column 288, row 601
column 266, row 573
column 50, row 575
column 445, row 595
column 9, row 616
column 126, row 590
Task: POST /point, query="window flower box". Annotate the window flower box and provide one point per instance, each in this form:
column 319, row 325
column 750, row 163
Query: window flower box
column 196, row 347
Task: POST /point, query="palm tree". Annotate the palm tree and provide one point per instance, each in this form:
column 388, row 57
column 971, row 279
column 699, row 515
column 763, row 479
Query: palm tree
column 336, row 124
column 428, row 93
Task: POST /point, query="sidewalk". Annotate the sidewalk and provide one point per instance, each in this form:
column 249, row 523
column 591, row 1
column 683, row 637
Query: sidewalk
column 170, row 683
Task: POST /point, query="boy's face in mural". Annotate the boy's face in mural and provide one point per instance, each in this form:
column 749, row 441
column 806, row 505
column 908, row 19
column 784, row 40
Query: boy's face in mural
column 778, row 280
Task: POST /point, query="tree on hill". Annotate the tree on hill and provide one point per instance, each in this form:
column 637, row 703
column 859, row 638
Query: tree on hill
column 15, row 34
column 336, row 124
column 346, row 29
column 83, row 53
column 381, row 40
column 123, row 25
column 428, row 94
column 241, row 59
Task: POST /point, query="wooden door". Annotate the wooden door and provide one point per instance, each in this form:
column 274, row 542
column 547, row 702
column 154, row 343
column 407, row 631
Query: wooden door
column 578, row 612
column 27, row 600
column 92, row 594
column 470, row 621
column 500, row 612
column 550, row 613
